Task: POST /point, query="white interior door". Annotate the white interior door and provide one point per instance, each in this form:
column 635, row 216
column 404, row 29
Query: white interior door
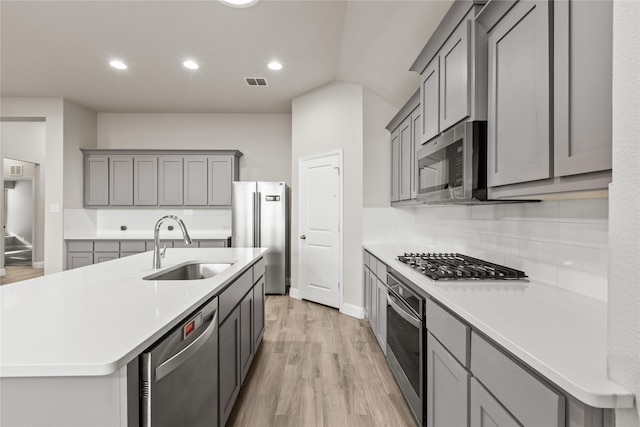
column 320, row 212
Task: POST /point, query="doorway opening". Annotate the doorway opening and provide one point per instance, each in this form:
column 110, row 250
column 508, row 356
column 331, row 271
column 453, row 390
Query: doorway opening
column 19, row 212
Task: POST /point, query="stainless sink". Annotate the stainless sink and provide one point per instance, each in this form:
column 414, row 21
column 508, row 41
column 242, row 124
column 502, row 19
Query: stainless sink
column 190, row 271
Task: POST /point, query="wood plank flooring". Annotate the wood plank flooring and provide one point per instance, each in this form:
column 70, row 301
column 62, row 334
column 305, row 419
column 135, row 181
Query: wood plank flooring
column 17, row 273
column 318, row 367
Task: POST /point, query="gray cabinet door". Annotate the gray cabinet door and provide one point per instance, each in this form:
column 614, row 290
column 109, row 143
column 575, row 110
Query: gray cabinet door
column 583, row 39
column 105, row 256
column 455, row 88
column 79, row 259
column 367, row 293
column 229, row 364
column 381, row 318
column 195, row 180
column 405, row 156
column 221, row 175
column 430, row 101
column 212, row 243
column 170, row 181
column 246, row 334
column 121, row 181
column 395, row 166
column 486, row 411
column 145, row 181
column 416, row 131
column 373, row 315
column 518, row 142
column 258, row 313
column 447, row 387
column 96, row 181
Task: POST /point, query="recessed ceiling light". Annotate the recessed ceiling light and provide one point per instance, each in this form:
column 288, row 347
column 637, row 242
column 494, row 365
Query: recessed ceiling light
column 239, row 3
column 275, row 65
column 191, row 65
column 118, row 64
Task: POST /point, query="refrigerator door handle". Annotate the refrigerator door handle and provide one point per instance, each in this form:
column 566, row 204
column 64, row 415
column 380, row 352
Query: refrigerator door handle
column 258, row 240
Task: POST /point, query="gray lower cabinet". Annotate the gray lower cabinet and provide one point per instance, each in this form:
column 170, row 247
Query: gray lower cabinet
column 246, row 334
column 145, row 180
column 121, row 181
column 258, row 313
column 366, row 274
column 229, row 360
column 518, row 128
column 375, row 295
column 170, row 177
column 447, row 387
column 96, row 181
column 381, row 318
column 79, row 259
column 105, row 256
column 373, row 315
column 486, row 411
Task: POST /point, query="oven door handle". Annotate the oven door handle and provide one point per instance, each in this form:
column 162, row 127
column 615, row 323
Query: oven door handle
column 415, row 322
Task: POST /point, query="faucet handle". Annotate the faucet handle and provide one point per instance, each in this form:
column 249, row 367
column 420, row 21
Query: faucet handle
column 164, row 250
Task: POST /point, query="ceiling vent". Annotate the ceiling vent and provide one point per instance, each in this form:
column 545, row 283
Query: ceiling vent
column 15, row 170
column 256, row 81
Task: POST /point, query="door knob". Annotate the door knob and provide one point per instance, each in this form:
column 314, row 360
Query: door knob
column 303, row 237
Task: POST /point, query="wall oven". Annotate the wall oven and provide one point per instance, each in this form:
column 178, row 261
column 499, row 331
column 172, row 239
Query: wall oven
column 405, row 342
column 452, row 168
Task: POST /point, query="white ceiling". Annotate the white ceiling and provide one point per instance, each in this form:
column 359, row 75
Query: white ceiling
column 62, row 49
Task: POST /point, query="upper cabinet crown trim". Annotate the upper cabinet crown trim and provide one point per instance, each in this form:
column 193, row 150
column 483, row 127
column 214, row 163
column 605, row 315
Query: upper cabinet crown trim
column 406, row 109
column 451, row 20
column 114, row 151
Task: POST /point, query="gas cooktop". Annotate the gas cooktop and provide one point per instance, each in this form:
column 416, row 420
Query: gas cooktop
column 454, row 266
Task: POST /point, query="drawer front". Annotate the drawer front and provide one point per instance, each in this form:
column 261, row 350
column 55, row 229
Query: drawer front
column 527, row 398
column 132, row 246
column 258, row 270
column 381, row 270
column 212, row 243
column 232, row 296
column 106, row 246
column 367, row 259
column 80, row 246
column 168, row 243
column 450, row 331
column 182, row 244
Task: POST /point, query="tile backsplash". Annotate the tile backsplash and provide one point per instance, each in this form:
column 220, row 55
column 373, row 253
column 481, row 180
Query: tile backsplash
column 562, row 243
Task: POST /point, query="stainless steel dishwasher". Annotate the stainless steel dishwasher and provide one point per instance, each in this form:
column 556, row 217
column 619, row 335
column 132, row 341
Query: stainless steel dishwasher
column 179, row 374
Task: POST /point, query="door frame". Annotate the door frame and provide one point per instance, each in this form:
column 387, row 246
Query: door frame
column 338, row 153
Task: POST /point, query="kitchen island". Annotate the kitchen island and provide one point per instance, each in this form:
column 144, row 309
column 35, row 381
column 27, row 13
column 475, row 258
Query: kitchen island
column 67, row 340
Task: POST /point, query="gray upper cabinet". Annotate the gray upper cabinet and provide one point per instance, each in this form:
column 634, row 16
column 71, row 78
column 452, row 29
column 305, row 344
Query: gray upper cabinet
column 430, row 101
column 96, row 181
column 455, row 94
column 519, row 89
column 453, row 70
column 395, row 166
column 583, row 39
column 223, row 170
column 416, row 131
column 151, row 178
column 195, row 180
column 170, row 181
column 405, row 145
column 145, row 180
column 121, row 181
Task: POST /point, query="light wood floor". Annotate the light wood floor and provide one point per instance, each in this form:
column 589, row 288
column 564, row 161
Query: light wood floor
column 16, row 273
column 317, row 367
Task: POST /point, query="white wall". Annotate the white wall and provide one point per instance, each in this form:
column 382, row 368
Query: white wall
column 624, row 194
column 26, row 141
column 20, row 211
column 376, row 162
column 561, row 243
column 264, row 139
column 80, row 131
column 329, row 119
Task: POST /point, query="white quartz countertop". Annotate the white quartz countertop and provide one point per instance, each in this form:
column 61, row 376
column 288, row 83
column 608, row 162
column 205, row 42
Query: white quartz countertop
column 174, row 234
column 560, row 334
column 94, row 320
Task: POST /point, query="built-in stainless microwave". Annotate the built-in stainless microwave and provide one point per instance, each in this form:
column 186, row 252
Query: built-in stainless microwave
column 452, row 168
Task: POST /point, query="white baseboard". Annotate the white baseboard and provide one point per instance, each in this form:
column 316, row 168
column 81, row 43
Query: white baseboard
column 352, row 310
column 39, row 264
column 3, row 272
column 294, row 293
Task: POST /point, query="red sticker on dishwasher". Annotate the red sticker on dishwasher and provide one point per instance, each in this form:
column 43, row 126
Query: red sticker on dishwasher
column 188, row 328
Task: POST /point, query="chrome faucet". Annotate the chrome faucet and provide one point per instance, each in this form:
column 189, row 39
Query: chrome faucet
column 157, row 254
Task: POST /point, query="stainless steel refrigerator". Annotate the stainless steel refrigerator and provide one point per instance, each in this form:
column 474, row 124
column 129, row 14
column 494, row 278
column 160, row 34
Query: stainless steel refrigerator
column 260, row 218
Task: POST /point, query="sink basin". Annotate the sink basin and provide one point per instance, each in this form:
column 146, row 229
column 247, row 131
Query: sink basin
column 190, row 271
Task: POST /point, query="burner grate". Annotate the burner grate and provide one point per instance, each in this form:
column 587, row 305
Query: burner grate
column 454, row 266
